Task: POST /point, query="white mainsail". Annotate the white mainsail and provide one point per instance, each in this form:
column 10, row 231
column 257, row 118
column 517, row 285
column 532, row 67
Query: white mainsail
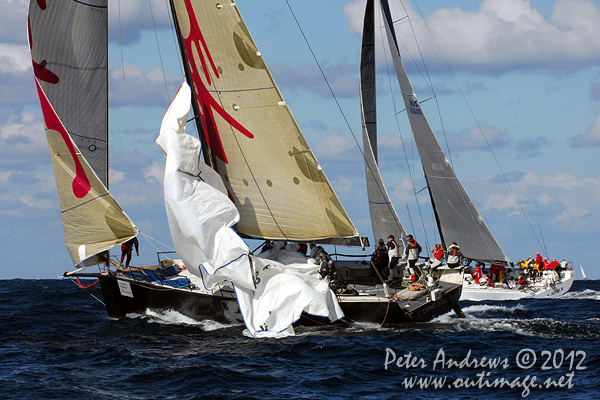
column 270, row 172
column 458, row 219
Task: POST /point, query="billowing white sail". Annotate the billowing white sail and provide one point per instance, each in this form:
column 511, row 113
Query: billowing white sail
column 270, row 172
column 200, row 215
column 458, row 219
column 200, row 219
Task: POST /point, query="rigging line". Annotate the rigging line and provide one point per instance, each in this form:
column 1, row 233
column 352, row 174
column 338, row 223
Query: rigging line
column 159, row 52
column 481, row 130
column 462, row 193
column 131, row 118
column 332, row 92
column 85, row 290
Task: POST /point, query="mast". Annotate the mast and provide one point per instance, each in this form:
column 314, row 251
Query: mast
column 457, row 218
column 206, row 153
column 384, row 219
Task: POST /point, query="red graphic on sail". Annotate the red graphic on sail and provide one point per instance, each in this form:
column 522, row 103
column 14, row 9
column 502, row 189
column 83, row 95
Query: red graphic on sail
column 40, row 70
column 208, row 104
column 81, row 184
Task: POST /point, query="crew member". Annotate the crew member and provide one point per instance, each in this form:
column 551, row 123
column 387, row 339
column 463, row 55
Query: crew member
column 127, row 248
column 411, row 253
column 380, row 258
column 453, row 255
column 393, row 256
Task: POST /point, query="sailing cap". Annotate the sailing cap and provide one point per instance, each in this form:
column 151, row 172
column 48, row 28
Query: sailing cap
column 380, row 240
column 391, row 237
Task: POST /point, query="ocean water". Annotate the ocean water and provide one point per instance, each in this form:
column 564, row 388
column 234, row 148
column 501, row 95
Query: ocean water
column 56, row 342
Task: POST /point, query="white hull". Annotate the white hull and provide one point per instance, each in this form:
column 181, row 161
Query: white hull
column 542, row 288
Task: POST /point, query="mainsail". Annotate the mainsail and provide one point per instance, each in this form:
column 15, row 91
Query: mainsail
column 70, row 65
column 384, row 218
column 256, row 146
column 457, row 217
column 69, row 50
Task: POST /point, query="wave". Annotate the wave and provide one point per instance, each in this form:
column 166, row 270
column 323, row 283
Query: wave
column 514, row 320
column 587, row 294
column 172, row 317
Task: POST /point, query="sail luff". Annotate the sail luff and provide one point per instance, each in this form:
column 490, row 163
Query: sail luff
column 384, row 219
column 459, row 219
column 268, row 168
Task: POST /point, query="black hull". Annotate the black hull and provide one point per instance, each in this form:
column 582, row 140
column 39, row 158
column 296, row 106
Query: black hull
column 222, row 306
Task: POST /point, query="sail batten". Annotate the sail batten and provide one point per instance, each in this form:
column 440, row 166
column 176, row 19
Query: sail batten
column 268, row 168
column 457, row 218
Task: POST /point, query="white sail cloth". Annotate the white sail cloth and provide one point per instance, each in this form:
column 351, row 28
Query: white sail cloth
column 200, row 218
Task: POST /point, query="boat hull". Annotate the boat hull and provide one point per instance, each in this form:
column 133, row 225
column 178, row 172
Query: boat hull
column 124, row 297
column 478, row 293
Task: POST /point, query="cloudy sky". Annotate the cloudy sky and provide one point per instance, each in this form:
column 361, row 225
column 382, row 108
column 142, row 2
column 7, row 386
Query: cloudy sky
column 511, row 88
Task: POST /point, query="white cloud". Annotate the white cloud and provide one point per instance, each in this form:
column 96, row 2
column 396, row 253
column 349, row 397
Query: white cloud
column 155, row 173
column 476, row 138
column 589, row 139
column 564, row 198
column 22, row 139
column 14, row 58
column 333, row 146
column 501, row 35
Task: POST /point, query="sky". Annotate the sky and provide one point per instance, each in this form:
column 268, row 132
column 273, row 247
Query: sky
column 511, row 88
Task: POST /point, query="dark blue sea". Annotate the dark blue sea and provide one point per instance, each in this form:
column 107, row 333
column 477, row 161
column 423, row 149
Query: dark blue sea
column 56, row 342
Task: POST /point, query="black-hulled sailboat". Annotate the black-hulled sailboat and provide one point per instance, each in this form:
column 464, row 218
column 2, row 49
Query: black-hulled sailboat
column 251, row 170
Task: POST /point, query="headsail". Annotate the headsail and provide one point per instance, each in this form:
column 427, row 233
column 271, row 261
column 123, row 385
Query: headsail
column 69, row 51
column 268, row 168
column 384, row 218
column 458, row 219
column 92, row 219
column 68, row 42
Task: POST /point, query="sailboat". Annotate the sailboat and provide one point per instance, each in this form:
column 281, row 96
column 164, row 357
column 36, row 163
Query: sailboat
column 250, row 174
column 583, row 275
column 457, row 219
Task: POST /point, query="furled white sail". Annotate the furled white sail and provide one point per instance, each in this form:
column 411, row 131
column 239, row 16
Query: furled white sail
column 92, row 219
column 458, row 219
column 200, row 219
column 270, row 172
column 384, row 219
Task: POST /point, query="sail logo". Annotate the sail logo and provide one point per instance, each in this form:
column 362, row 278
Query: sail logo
column 197, row 49
column 415, row 107
column 81, row 184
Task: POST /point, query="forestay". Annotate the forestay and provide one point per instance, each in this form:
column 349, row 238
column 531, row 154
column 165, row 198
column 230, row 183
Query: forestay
column 256, row 146
column 458, row 218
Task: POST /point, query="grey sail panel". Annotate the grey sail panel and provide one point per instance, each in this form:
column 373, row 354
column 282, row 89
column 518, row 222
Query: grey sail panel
column 384, row 218
column 69, row 49
column 458, row 218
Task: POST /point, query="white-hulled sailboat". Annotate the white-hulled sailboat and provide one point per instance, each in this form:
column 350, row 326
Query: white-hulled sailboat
column 259, row 176
column 457, row 218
